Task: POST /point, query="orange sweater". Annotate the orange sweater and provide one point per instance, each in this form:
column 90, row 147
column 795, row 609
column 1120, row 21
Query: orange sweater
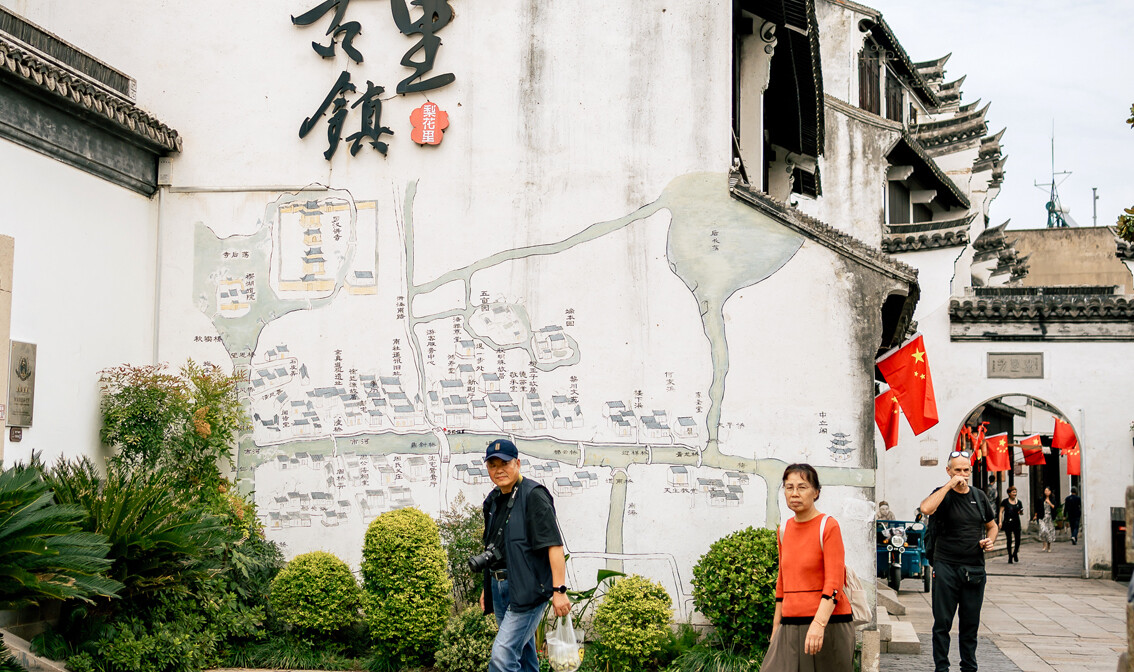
column 807, row 573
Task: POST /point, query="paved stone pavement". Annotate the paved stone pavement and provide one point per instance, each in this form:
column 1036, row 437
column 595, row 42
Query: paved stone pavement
column 1037, row 617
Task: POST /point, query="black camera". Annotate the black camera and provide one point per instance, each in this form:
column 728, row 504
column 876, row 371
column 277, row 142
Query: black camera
column 479, row 563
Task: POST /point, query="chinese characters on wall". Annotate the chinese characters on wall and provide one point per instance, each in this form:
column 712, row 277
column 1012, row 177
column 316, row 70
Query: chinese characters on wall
column 428, row 120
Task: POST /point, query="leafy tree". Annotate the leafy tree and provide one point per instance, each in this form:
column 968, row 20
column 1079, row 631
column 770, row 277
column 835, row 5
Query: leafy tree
column 1125, row 222
column 461, row 526
column 734, row 586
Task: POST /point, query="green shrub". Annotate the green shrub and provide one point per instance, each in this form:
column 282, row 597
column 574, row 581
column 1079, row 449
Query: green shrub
column 160, row 537
column 44, row 553
column 466, row 642
column 708, row 659
column 184, row 421
column 317, row 593
column 406, row 591
column 461, row 526
column 734, row 586
column 632, row 624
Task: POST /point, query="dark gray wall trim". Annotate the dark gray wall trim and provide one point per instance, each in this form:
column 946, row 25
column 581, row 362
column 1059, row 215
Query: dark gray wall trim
column 30, row 120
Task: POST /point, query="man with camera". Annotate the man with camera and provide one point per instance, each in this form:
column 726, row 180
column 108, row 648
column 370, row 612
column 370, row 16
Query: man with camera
column 523, row 562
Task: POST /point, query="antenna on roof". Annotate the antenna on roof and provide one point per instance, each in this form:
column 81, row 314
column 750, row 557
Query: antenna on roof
column 1058, row 216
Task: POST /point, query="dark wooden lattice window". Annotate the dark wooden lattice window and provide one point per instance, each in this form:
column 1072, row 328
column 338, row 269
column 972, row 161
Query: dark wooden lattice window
column 893, row 97
column 922, row 213
column 869, row 74
column 899, row 204
column 804, row 182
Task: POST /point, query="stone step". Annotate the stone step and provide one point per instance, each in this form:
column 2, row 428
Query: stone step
column 884, row 621
column 889, row 599
column 903, row 638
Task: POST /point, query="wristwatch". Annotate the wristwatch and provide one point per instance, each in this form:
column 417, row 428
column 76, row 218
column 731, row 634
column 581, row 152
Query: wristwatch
column 560, row 589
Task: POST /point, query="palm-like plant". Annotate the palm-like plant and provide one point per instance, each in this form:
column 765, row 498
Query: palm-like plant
column 44, row 553
column 159, row 537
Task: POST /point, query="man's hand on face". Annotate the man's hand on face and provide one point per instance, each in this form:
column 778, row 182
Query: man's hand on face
column 958, row 482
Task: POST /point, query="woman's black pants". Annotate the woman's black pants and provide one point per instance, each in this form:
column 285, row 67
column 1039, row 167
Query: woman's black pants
column 1013, row 532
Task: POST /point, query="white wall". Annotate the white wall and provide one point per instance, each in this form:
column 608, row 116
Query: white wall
column 83, row 291
column 1080, row 379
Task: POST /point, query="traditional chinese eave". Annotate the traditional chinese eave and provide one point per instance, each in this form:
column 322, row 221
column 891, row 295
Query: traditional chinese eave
column 22, row 66
column 908, row 151
column 901, row 62
column 826, row 235
column 952, row 90
column 933, row 71
column 961, row 128
column 1042, row 314
column 991, row 240
column 990, row 144
column 927, row 235
column 969, row 107
column 1124, row 249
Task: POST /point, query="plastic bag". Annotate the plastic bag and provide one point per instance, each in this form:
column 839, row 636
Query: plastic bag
column 563, row 651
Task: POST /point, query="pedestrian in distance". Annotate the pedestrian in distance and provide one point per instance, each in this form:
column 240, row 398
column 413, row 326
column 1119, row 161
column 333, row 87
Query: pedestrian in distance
column 1011, row 510
column 1046, row 524
column 1073, row 513
column 813, row 627
column 990, row 489
column 523, row 562
column 964, row 529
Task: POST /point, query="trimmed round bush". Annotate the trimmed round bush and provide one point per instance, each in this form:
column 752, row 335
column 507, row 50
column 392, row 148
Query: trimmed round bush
column 632, row 624
column 407, row 594
column 316, row 592
column 734, row 586
column 466, row 642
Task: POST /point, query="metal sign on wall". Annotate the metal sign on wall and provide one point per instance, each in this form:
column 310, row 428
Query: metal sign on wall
column 21, row 384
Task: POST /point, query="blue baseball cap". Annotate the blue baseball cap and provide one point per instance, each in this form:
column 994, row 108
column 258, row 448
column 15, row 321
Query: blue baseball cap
column 503, row 449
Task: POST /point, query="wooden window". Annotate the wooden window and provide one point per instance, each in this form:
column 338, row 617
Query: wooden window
column 869, row 72
column 893, row 97
column 899, row 204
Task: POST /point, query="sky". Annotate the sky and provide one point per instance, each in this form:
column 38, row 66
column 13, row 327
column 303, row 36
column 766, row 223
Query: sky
column 1039, row 63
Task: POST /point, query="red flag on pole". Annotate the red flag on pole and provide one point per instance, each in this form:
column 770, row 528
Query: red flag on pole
column 886, row 416
column 1063, row 437
column 964, row 438
column 1073, row 465
column 979, row 449
column 1033, row 450
column 997, row 457
column 906, row 370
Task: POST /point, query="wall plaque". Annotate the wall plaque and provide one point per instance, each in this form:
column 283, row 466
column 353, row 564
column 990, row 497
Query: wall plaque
column 21, row 384
column 1015, row 365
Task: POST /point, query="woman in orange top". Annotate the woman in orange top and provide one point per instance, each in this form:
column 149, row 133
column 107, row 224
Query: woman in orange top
column 812, row 629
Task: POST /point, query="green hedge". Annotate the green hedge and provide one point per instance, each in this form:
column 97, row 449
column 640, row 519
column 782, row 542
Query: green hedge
column 407, row 595
column 734, row 586
column 316, row 593
column 632, row 624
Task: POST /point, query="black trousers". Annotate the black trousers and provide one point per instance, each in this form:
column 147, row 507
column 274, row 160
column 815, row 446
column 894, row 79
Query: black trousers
column 1012, row 532
column 957, row 590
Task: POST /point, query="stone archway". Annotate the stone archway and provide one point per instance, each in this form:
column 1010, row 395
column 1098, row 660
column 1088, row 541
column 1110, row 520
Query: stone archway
column 1022, row 415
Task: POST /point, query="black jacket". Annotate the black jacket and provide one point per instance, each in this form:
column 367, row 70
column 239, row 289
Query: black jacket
column 529, row 570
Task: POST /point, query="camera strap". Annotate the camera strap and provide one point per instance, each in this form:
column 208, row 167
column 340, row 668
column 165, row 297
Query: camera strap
column 507, row 516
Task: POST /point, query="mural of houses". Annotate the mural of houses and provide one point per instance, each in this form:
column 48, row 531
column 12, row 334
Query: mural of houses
column 565, row 487
column 466, row 349
column 551, row 343
column 723, row 498
column 588, row 479
column 654, row 425
column 330, row 519
column 678, row 476
column 400, row 497
column 490, row 381
column 611, row 408
column 479, row 409
column 416, row 469
column 735, row 478
column 686, row 427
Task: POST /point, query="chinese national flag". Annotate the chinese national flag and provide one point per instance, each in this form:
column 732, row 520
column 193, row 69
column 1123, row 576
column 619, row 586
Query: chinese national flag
column 1063, row 437
column 1073, row 460
column 997, row 457
column 886, row 415
column 906, row 371
column 979, row 448
column 1033, row 450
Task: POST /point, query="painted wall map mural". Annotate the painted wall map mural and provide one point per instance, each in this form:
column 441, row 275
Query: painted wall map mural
column 371, row 388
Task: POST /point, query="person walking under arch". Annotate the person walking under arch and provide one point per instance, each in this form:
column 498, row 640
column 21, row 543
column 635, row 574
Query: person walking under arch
column 1011, row 509
column 964, row 529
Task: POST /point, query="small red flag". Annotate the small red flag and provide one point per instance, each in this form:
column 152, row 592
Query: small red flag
column 997, row 457
column 1073, row 465
column 906, row 370
column 1063, row 437
column 886, row 416
column 1033, row 450
column 980, row 450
